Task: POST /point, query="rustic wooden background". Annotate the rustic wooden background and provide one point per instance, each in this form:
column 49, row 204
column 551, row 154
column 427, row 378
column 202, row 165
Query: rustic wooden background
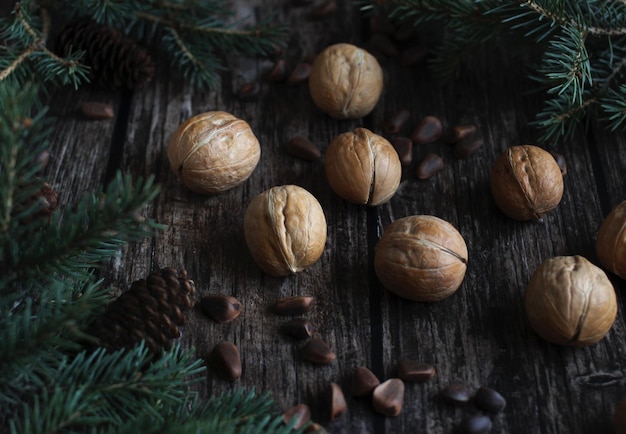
column 478, row 336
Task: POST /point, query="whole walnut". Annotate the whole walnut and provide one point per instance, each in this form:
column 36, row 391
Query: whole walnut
column 213, row 152
column 363, row 167
column 346, row 81
column 421, row 257
column 570, row 301
column 526, row 182
column 611, row 242
column 285, row 230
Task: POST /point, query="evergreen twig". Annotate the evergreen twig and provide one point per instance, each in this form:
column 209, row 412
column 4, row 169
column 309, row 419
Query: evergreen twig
column 104, row 390
column 197, row 36
column 98, row 227
column 27, row 39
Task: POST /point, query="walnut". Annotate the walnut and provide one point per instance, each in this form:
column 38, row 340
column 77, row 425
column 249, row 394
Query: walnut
column 213, row 152
column 285, row 230
column 363, row 167
column 570, row 301
column 526, row 182
column 611, row 242
column 346, row 81
column 421, row 257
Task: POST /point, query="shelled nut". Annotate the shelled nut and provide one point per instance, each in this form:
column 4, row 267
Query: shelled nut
column 318, row 352
column 363, row 381
column 388, row 397
column 295, row 305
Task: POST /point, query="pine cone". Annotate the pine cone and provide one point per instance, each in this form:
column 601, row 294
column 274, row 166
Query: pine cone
column 115, row 59
column 151, row 310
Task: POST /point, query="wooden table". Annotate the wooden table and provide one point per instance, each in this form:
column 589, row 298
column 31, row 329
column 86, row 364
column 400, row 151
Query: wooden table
column 478, row 336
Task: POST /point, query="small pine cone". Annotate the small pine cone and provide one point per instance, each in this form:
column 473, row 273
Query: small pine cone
column 151, row 310
column 115, row 59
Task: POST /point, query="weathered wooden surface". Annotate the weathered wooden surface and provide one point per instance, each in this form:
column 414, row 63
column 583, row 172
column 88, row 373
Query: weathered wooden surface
column 479, row 336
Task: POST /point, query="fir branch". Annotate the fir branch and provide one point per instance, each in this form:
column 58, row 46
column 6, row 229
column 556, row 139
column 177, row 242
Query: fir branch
column 614, row 108
column 451, row 52
column 560, row 117
column 10, row 69
column 565, row 65
column 113, row 13
column 197, row 65
column 609, row 63
column 197, row 44
column 26, row 39
column 240, row 412
column 573, row 14
column 104, row 390
column 94, row 232
column 40, row 328
column 23, row 134
column 255, row 40
column 109, row 393
column 583, row 45
column 198, row 34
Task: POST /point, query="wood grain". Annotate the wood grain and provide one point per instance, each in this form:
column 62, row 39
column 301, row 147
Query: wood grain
column 478, row 336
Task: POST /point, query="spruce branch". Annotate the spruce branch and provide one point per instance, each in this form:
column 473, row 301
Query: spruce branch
column 197, row 65
column 26, row 38
column 93, row 232
column 198, row 42
column 614, row 107
column 198, row 36
column 565, row 64
column 10, row 69
column 240, row 411
column 40, row 328
column 583, row 46
column 103, row 390
column 23, row 134
column 581, row 15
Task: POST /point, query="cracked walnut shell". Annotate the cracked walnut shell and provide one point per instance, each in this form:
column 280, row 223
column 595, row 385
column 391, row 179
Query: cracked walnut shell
column 213, row 152
column 421, row 258
column 526, row 182
column 346, row 81
column 285, row 230
column 611, row 242
column 363, row 167
column 570, row 301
